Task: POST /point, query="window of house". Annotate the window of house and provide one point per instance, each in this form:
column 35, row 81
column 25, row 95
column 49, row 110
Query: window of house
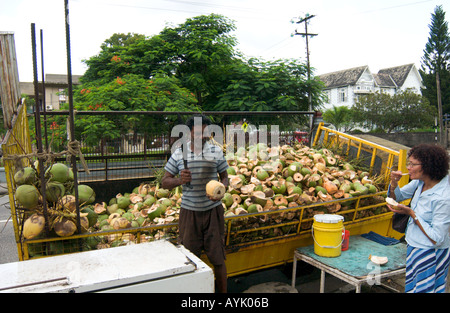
column 328, row 95
column 343, row 95
column 62, row 96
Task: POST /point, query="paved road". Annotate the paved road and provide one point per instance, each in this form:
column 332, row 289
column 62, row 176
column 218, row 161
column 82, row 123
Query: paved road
column 8, row 247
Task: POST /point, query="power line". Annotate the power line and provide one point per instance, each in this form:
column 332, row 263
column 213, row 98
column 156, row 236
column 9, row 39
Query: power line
column 394, row 7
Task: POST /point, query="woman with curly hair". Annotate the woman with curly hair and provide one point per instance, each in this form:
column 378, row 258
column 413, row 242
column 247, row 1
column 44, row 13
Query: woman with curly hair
column 427, row 233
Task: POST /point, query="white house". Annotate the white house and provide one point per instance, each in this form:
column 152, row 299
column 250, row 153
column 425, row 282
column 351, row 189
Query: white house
column 343, row 87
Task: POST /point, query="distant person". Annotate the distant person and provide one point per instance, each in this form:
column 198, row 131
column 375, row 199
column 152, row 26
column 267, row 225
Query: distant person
column 427, row 233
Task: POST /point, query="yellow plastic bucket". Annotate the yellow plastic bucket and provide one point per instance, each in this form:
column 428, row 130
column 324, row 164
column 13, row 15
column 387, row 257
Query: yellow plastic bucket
column 327, row 232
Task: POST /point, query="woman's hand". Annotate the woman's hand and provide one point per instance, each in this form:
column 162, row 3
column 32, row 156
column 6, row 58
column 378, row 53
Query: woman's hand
column 401, row 209
column 395, row 177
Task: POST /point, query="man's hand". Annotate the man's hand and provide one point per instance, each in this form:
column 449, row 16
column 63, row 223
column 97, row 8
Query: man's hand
column 185, row 176
column 212, row 199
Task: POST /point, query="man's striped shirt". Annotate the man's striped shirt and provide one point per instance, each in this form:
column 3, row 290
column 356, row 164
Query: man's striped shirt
column 204, row 167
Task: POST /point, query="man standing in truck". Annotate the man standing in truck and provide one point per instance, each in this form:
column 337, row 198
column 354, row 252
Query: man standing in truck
column 201, row 221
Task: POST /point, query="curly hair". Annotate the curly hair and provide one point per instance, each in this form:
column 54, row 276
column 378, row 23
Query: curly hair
column 434, row 160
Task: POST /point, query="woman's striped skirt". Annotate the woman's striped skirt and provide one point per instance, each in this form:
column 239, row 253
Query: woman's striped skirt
column 426, row 270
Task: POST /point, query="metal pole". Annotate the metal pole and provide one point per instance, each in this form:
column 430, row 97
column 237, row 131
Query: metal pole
column 43, row 92
column 37, row 117
column 71, row 113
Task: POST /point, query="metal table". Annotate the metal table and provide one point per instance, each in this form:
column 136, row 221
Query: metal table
column 353, row 266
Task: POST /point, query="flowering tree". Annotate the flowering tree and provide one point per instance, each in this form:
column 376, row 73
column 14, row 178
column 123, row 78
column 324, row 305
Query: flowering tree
column 129, row 93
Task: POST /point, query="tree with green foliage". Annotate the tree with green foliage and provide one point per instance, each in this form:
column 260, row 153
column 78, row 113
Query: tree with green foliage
column 405, row 111
column 197, row 56
column 436, row 60
column 340, row 117
column 130, row 93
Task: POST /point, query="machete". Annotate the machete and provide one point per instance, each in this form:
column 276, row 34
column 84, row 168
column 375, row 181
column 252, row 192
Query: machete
column 183, row 151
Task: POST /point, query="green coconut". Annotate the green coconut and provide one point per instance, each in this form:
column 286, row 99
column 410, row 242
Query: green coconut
column 305, row 171
column 113, row 208
column 254, row 208
column 155, row 211
column 262, row 174
column 348, row 166
column 149, row 200
column 320, row 188
column 296, row 190
column 27, row 196
column 129, row 216
column 227, row 199
column 86, row 194
column 372, row 188
column 92, row 216
column 123, row 202
column 165, row 202
column 26, row 175
column 162, row 193
column 58, row 172
column 259, row 197
column 279, row 188
column 54, row 191
column 360, row 189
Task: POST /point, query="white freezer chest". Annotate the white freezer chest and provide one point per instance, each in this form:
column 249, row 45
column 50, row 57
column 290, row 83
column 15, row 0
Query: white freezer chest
column 157, row 266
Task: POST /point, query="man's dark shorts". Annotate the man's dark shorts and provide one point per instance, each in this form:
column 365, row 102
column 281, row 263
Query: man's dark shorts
column 204, row 230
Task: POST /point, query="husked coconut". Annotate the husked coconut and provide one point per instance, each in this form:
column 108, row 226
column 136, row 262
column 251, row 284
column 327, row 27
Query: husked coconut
column 67, row 202
column 64, row 227
column 33, row 226
column 215, row 190
column 391, row 201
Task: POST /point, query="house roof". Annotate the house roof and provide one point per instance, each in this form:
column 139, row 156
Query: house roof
column 344, row 77
column 398, row 73
column 61, row 79
column 384, row 80
column 387, row 77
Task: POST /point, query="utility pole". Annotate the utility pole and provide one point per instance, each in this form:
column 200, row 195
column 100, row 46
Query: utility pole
column 307, row 35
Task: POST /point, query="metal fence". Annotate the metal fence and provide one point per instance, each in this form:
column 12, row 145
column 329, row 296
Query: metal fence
column 139, row 155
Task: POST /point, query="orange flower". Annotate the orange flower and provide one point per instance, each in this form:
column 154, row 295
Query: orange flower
column 119, row 81
column 115, row 59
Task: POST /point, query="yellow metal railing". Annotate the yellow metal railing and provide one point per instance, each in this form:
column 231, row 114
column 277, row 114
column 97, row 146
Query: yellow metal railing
column 17, row 142
column 243, row 232
column 390, row 158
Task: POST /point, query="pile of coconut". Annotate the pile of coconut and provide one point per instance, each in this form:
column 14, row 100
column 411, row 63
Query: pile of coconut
column 261, row 179
column 59, row 198
column 265, row 179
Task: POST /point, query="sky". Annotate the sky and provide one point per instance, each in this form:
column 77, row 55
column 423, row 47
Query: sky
column 350, row 33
